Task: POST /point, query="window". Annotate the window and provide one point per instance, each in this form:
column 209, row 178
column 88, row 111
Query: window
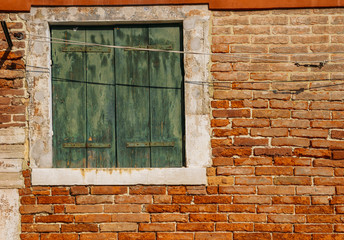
column 117, row 107
column 189, row 167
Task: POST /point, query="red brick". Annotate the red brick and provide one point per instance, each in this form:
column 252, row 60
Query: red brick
column 337, row 134
column 162, row 208
column 275, row 209
column 193, row 227
column 319, row 153
column 250, row 142
column 268, row 227
column 270, row 114
column 285, row 123
column 234, row 227
column 56, row 200
column 174, row 236
column 130, row 217
column 220, row 104
column 250, row 123
column 157, row 227
column 237, row 189
column 288, row 236
column 287, row 218
column 338, row 155
column 176, row 190
column 143, row 190
column 59, row 236
column 212, row 199
column 327, row 124
column 298, row 142
column 314, row 228
column 303, row 190
column 162, row 199
column 40, row 228
column 41, row 190
column 240, row 208
column 29, row 236
column 79, row 190
column 27, row 200
column 108, row 190
column 79, row 228
column 315, row 114
column 292, row 181
column 213, row 236
column 60, row 191
column 304, row 200
column 94, row 199
column 221, row 142
column 208, row 217
column 290, row 161
column 139, row 199
column 253, row 161
column 234, row 113
column 169, row 217
column 84, row 209
column 98, row 236
column 222, row 161
column 269, row 132
column 54, row 219
column 274, row 171
column 324, row 219
column 235, row 171
column 232, row 94
column 311, row 133
column 93, row 218
column 232, row 151
column 118, row 227
column 26, row 219
column 276, row 190
column 250, row 199
column 314, row 209
column 136, row 236
column 320, row 200
column 196, row 190
column 121, row 208
column 182, row 199
column 315, row 171
column 229, row 132
column 29, row 209
column 253, row 180
column 247, row 217
column 252, row 236
column 219, row 122
column 198, row 208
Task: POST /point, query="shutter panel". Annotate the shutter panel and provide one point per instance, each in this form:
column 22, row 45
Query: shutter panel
column 69, row 100
column 132, row 97
column 100, row 99
column 166, row 99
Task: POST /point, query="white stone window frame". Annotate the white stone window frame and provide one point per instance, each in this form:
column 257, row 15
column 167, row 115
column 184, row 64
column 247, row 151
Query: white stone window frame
column 196, row 21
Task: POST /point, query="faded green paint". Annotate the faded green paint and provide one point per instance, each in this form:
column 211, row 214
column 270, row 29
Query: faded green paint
column 166, row 103
column 69, row 100
column 100, row 100
column 132, row 97
column 118, row 99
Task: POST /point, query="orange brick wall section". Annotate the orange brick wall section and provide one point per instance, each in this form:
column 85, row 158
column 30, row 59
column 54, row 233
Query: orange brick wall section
column 278, row 152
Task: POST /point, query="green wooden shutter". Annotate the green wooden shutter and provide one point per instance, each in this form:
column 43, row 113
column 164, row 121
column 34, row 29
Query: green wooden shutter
column 166, row 81
column 149, row 97
column 69, row 100
column 83, row 99
column 100, row 99
column 132, row 97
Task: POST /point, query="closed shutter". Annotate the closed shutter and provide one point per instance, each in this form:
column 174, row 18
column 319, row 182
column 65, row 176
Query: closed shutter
column 118, row 108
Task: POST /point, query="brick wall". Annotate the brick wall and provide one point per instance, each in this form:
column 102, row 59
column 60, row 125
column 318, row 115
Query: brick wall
column 13, row 101
column 278, row 151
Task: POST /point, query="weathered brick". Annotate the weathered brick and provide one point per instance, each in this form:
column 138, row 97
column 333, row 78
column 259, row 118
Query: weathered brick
column 108, row 190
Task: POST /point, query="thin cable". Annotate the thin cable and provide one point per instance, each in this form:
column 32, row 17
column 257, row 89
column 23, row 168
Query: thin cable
column 237, row 55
